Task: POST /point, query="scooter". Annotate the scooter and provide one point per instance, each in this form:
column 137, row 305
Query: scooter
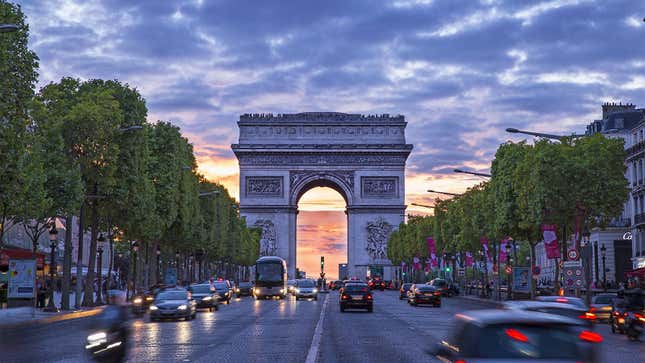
column 634, row 325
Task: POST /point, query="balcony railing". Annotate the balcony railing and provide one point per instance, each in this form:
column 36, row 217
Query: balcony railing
column 637, row 148
column 620, row 222
column 639, row 219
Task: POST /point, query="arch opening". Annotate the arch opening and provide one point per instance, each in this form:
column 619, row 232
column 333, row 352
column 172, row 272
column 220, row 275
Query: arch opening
column 321, row 230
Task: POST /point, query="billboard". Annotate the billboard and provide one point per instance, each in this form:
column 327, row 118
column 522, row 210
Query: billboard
column 22, row 279
column 171, row 276
column 521, row 279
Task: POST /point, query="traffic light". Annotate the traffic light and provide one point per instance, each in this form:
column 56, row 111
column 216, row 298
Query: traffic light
column 322, row 262
column 447, row 269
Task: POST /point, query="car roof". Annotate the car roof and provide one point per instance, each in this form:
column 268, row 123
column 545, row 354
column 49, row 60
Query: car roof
column 203, row 284
column 494, row 317
column 356, row 283
column 529, row 304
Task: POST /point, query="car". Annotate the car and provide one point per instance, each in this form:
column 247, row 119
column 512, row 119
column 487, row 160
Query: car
column 424, row 294
column 377, row 284
column 224, row 293
column 356, row 295
column 564, row 300
column 205, row 296
column 305, row 289
column 618, row 316
column 291, row 285
column 517, row 336
column 601, row 306
column 567, row 310
column 173, row 304
column 244, row 288
column 403, row 291
column 336, row 285
column 442, row 286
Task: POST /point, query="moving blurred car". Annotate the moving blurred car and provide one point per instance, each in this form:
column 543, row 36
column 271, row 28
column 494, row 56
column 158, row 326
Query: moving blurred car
column 224, row 293
column 424, row 294
column 517, row 336
column 403, row 291
column 356, row 295
column 442, row 286
column 564, row 299
column 244, row 288
column 567, row 310
column 305, row 289
column 205, row 296
column 291, row 284
column 173, row 304
column 601, row 306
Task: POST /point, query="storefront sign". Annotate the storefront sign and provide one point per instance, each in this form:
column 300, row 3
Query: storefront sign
column 22, row 279
column 627, row 235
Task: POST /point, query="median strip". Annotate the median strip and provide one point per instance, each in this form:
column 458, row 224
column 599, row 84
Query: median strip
column 315, row 341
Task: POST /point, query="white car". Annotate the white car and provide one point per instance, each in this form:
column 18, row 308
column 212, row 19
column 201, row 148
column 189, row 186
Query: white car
column 305, row 289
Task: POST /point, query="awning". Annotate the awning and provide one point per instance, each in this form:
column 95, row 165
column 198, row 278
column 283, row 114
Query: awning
column 639, row 272
column 21, row 254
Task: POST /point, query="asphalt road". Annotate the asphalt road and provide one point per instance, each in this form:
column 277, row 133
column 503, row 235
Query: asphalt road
column 276, row 331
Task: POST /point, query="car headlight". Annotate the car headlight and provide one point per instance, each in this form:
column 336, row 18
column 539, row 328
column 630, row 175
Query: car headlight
column 149, row 298
column 182, row 307
column 153, row 307
column 99, row 337
column 237, row 290
column 296, row 290
column 315, row 291
column 207, row 298
column 281, row 291
column 137, row 301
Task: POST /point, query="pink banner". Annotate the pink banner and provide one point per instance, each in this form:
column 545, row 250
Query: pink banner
column 551, row 244
column 502, row 250
column 484, row 242
column 469, row 259
column 417, row 263
column 433, row 254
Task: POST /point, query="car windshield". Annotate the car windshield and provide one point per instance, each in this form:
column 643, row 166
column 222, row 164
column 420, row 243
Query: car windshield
column 604, row 299
column 567, row 300
column 406, row 286
column 306, row 283
column 201, row 289
column 425, row 288
column 569, row 313
column 172, row 295
column 271, row 272
column 245, row 284
column 512, row 341
column 221, row 286
column 356, row 288
column 439, row 283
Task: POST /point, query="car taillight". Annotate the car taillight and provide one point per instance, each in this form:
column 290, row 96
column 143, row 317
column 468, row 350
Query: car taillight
column 517, row 335
column 589, row 336
column 437, row 293
column 460, row 361
column 592, row 310
column 588, row 316
column 369, row 297
column 562, row 300
column 344, row 297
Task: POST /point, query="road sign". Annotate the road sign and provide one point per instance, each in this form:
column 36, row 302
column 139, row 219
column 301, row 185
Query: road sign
column 566, row 264
column 536, row 270
column 572, row 255
column 572, row 276
column 461, row 272
column 508, row 269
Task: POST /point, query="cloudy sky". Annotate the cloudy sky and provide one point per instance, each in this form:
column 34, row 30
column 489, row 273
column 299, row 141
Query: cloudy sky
column 460, row 71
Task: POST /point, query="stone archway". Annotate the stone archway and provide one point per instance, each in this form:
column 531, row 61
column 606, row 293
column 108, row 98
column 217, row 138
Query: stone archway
column 361, row 157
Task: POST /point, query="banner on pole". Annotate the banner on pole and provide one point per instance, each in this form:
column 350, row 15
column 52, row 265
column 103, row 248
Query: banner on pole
column 551, row 244
column 433, row 254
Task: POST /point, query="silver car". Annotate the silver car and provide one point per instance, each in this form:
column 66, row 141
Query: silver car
column 305, row 289
column 601, row 306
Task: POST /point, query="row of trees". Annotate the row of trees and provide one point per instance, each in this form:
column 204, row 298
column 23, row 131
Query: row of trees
column 572, row 182
column 84, row 148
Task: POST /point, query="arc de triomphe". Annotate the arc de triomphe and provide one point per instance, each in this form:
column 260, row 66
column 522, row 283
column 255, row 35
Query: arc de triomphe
column 361, row 157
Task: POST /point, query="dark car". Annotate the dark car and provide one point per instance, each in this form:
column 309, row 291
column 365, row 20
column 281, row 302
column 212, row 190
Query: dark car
column 173, row 304
column 224, row 291
column 601, row 306
column 244, row 288
column 377, row 284
column 441, row 286
column 336, row 285
column 424, row 294
column 205, row 296
column 567, row 310
column 516, row 336
column 564, row 300
column 356, row 296
column 403, row 291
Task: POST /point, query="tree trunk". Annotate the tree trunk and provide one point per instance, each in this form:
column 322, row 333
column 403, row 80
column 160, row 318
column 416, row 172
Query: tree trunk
column 111, row 259
column 154, row 268
column 88, row 296
column 79, row 260
column 67, row 264
column 533, row 281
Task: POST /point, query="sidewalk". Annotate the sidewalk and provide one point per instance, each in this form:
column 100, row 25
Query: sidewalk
column 27, row 315
column 493, row 303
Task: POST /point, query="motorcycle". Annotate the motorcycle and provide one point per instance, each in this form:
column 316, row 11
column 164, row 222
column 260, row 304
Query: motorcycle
column 109, row 342
column 634, row 324
column 141, row 303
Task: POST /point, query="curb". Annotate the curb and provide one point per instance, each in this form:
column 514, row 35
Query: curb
column 492, row 303
column 77, row 314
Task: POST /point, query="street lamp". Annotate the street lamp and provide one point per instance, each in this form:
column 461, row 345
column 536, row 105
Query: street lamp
column 99, row 269
column 445, row 193
column 135, row 249
column 603, row 253
column 423, row 205
column 158, row 252
column 53, row 241
column 472, row 173
column 510, row 276
column 206, row 194
column 130, row 128
column 8, row 28
column 540, row 134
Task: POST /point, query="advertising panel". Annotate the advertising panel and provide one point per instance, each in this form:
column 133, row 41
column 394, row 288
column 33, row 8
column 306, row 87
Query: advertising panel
column 171, row 276
column 521, row 280
column 22, row 279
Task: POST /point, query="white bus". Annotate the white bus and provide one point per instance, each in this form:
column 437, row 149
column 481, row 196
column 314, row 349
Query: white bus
column 270, row 277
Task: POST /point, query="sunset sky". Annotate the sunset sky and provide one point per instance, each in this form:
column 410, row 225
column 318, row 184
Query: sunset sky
column 460, row 71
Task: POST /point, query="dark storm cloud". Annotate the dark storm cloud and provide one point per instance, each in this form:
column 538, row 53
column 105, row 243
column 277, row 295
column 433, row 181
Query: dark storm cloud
column 461, row 71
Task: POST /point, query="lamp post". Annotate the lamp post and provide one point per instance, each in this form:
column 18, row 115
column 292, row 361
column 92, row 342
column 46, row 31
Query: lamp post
column 482, row 257
column 444, row 193
column 603, row 253
column 509, row 279
column 135, row 249
column 158, row 252
column 120, row 265
column 585, row 254
column 199, row 256
column 53, row 241
column 99, row 269
column 8, row 28
column 472, row 173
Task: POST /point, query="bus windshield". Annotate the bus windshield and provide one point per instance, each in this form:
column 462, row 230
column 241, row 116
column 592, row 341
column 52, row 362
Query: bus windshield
column 270, row 272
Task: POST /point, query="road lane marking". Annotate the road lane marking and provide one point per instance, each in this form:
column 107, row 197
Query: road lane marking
column 315, row 342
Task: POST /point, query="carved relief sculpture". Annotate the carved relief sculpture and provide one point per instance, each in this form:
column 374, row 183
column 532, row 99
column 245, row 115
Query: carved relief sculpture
column 378, row 232
column 268, row 239
column 378, row 187
column 269, row 186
